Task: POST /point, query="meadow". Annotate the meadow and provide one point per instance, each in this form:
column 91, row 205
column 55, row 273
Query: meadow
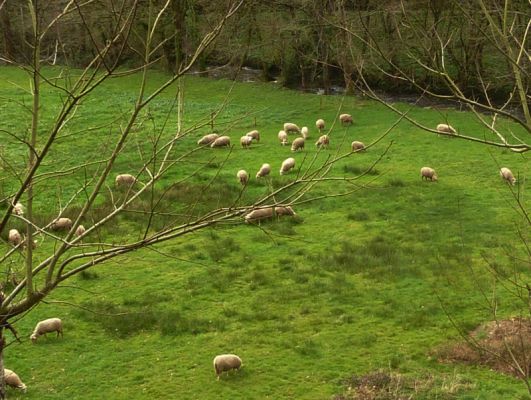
column 352, row 285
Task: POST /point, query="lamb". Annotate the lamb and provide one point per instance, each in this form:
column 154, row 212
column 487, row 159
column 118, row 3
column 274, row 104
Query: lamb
column 14, row 237
column 62, row 224
column 124, row 180
column 254, row 134
column 323, row 141
column 505, row 173
column 346, row 119
column 225, row 363
column 287, row 165
column 18, row 209
column 357, row 146
column 297, row 144
column 243, row 177
column 46, row 326
column 320, row 124
column 264, row 170
column 246, row 141
column 222, row 141
column 283, row 137
column 444, row 128
column 207, row 139
column 80, row 230
column 305, row 132
column 268, row 212
column 13, row 380
column 291, row 128
column 428, row 173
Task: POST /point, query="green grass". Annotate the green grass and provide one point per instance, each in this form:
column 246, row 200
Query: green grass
column 352, row 285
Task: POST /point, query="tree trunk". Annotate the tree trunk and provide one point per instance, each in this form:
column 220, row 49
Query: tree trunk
column 3, row 394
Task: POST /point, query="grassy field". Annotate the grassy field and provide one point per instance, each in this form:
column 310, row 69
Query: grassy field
column 352, row 285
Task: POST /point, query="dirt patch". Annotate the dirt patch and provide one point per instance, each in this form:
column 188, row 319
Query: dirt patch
column 504, row 346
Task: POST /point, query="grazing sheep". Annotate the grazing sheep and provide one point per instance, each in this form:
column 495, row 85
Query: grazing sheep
column 14, row 237
column 346, row 119
column 268, row 212
column 225, row 363
column 505, row 173
column 80, row 230
column 297, row 144
column 444, row 128
column 18, row 209
column 323, row 141
column 291, row 128
column 62, row 224
column 47, row 326
column 320, row 124
column 208, row 139
column 428, row 173
column 246, row 141
column 357, row 146
column 264, row 170
column 287, row 164
column 305, row 132
column 283, row 137
column 124, row 180
column 222, row 141
column 254, row 134
column 12, row 379
column 243, row 177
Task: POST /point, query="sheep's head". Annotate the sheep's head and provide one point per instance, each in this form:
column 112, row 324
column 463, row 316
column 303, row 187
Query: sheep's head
column 434, row 178
column 33, row 337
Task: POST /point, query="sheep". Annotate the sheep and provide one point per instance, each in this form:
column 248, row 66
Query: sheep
column 323, row 141
column 297, row 144
column 428, row 173
column 46, row 326
column 264, row 170
column 254, row 134
column 246, row 141
column 62, row 224
column 243, row 177
column 225, row 363
column 445, row 128
column 14, row 237
column 222, row 141
column 124, row 180
column 18, row 209
column 320, row 124
column 357, row 146
column 207, row 139
column 283, row 137
column 346, row 119
column 80, row 230
column 291, row 128
column 268, row 212
column 287, row 164
column 305, row 132
column 506, row 175
column 13, row 380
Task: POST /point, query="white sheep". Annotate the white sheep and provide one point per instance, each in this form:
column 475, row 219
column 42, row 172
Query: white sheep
column 225, row 363
column 305, row 132
column 47, row 326
column 124, row 180
column 291, row 128
column 346, row 119
column 243, row 177
column 62, row 224
column 283, row 137
column 18, row 209
column 80, row 230
column 222, row 141
column 245, row 141
column 13, row 380
column 254, row 134
column 297, row 144
column 264, row 170
column 287, row 165
column 207, row 139
column 445, row 128
column 323, row 141
column 268, row 212
column 357, row 146
column 320, row 124
column 14, row 237
column 506, row 175
column 428, row 173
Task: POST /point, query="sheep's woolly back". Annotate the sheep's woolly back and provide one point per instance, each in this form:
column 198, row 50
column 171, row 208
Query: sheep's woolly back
column 264, row 170
column 13, row 380
column 428, row 173
column 297, row 144
column 506, row 174
column 243, row 176
column 320, row 124
column 207, row 139
column 124, row 180
column 291, row 127
column 221, row 141
column 346, row 119
column 445, row 128
column 357, row 145
column 46, row 326
column 226, row 362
